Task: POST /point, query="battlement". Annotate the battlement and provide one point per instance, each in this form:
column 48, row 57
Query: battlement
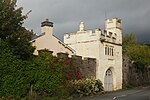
column 113, row 20
column 113, row 23
column 87, row 36
column 112, row 33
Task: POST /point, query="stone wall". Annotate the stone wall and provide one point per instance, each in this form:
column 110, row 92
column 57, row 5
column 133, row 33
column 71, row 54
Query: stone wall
column 134, row 75
column 86, row 66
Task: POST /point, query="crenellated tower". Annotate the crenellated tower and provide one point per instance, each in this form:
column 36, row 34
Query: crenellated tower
column 115, row 27
column 104, row 45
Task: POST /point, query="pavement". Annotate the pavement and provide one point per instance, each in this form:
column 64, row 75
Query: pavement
column 141, row 93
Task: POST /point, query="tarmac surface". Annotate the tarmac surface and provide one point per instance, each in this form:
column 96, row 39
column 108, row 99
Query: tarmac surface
column 142, row 93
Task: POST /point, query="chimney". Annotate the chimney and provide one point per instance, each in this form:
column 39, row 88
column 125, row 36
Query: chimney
column 47, row 27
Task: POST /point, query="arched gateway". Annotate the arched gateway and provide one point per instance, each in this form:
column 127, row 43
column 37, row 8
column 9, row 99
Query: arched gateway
column 108, row 81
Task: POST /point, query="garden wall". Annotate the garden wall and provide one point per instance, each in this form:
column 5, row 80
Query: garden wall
column 134, row 75
column 80, row 67
column 85, row 66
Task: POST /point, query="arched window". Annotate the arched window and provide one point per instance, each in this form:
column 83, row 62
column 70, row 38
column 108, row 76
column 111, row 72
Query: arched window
column 108, row 72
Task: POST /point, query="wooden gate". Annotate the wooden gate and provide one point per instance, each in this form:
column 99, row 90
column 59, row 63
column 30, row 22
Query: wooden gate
column 108, row 81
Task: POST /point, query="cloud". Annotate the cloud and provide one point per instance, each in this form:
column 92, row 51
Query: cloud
column 66, row 14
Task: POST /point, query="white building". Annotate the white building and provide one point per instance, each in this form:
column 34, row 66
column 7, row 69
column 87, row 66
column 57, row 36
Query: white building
column 105, row 46
column 48, row 41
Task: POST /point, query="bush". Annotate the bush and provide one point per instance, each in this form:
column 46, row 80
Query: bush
column 47, row 74
column 42, row 75
column 85, row 87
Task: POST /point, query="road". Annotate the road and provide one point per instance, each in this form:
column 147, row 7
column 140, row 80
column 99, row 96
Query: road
column 142, row 93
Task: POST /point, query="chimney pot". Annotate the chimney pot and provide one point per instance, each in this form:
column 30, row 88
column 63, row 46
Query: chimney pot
column 47, row 23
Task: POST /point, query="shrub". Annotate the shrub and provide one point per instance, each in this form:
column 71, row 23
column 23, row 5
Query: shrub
column 47, row 74
column 42, row 75
column 85, row 87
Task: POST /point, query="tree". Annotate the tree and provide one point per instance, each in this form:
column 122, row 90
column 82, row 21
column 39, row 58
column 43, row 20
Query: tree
column 19, row 69
column 44, row 74
column 140, row 54
column 129, row 39
column 11, row 19
column 12, row 79
column 11, row 29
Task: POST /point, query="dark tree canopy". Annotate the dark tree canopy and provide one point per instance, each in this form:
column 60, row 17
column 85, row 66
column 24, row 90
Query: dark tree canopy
column 129, row 39
column 11, row 19
column 12, row 31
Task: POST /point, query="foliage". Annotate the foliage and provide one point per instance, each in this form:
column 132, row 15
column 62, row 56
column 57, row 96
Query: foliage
column 48, row 74
column 139, row 54
column 21, row 73
column 129, row 39
column 85, row 87
column 13, row 80
column 11, row 18
column 15, row 50
column 43, row 75
column 11, row 29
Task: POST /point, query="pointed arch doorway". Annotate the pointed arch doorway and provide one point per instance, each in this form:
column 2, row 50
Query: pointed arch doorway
column 108, row 81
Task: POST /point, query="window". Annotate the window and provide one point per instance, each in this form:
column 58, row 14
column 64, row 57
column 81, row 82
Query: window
column 109, row 50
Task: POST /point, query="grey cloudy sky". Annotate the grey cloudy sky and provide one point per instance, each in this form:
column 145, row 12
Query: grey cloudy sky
column 66, row 15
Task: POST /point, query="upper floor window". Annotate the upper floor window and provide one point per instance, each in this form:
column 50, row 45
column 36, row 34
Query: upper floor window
column 109, row 50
